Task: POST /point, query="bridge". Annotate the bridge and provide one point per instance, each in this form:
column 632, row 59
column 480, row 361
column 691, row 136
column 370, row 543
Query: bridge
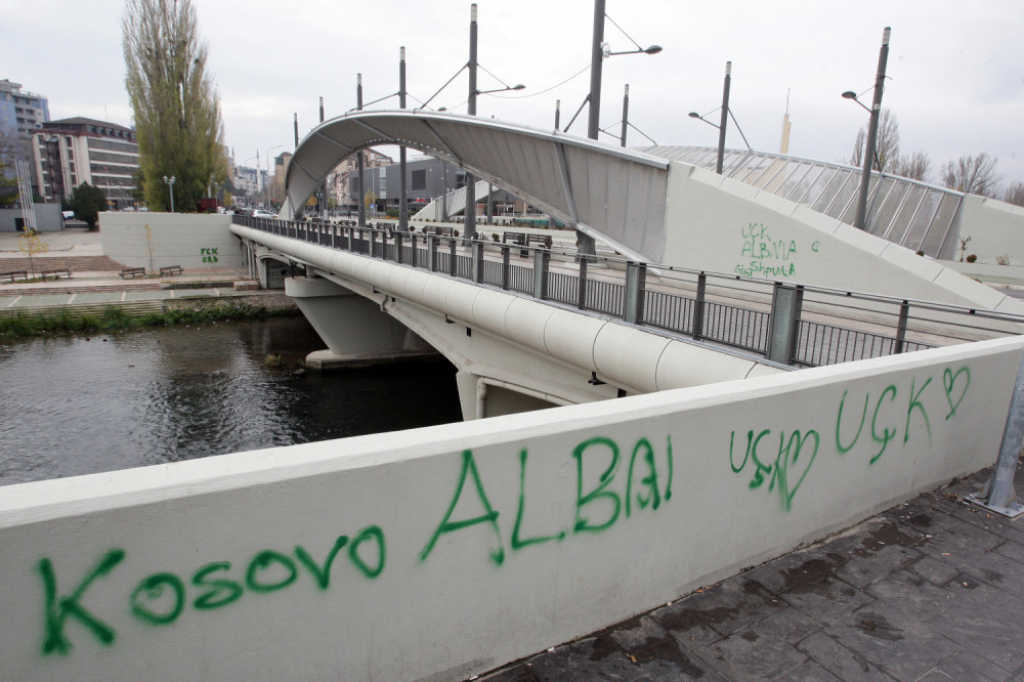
column 756, row 415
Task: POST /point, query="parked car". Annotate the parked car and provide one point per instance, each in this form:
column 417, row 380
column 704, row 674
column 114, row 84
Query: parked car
column 263, row 213
column 68, row 215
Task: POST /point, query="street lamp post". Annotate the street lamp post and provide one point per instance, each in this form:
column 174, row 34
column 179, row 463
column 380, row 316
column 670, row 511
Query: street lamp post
column 723, row 122
column 403, row 205
column 597, row 55
column 725, row 117
column 170, row 183
column 860, row 220
column 359, row 154
column 469, row 218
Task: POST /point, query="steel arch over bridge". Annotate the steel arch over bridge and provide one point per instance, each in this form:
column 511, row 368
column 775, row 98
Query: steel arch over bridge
column 616, row 195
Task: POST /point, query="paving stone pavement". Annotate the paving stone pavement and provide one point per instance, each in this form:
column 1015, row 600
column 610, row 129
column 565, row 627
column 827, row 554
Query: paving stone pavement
column 931, row 590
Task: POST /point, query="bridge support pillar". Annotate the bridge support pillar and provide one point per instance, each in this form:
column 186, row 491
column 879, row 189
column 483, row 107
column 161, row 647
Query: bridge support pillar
column 357, row 331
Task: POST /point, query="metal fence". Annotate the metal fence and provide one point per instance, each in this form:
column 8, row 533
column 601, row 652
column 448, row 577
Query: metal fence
column 786, row 323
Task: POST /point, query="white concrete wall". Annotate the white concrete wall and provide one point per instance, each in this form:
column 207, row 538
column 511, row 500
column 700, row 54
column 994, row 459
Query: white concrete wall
column 996, row 229
column 440, row 553
column 724, row 225
column 195, row 241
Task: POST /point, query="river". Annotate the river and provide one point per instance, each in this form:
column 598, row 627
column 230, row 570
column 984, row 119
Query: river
column 78, row 405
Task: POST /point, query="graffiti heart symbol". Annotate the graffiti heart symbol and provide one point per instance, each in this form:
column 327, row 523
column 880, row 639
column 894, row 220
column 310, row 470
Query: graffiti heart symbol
column 949, row 381
column 789, row 463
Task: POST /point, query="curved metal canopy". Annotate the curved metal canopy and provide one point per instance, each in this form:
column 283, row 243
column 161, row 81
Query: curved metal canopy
column 614, row 194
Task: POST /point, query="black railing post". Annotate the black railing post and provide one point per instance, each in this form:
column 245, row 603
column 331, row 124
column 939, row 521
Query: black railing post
column 698, row 307
column 478, row 262
column 373, row 243
column 432, row 253
column 783, row 333
column 636, row 280
column 412, row 241
column 398, row 246
column 451, row 259
column 901, row 326
column 581, row 295
column 506, row 269
column 541, row 261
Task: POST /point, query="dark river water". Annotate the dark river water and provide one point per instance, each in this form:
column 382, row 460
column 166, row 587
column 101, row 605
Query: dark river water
column 77, row 405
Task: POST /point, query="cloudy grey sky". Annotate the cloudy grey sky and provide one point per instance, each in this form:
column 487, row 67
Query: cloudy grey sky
column 956, row 69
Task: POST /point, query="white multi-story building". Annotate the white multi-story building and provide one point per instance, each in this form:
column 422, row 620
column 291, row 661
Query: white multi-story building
column 76, row 150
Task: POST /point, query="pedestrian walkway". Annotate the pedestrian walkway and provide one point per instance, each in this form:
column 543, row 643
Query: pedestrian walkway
column 930, row 590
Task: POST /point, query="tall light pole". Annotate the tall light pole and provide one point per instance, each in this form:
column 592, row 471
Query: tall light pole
column 326, row 202
column 860, row 220
column 403, row 208
column 625, row 115
column 725, row 117
column 470, row 214
column 170, row 183
column 359, row 154
column 597, row 55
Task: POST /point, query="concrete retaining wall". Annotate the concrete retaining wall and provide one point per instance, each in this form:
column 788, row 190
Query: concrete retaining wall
column 439, row 553
column 723, row 225
column 154, row 240
column 996, row 229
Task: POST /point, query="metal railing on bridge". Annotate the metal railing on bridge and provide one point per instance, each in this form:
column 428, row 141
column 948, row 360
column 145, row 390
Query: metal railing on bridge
column 786, row 323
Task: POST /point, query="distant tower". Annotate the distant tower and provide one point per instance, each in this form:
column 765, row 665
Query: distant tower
column 784, row 149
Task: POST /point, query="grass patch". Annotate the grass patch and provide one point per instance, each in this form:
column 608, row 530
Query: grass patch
column 113, row 318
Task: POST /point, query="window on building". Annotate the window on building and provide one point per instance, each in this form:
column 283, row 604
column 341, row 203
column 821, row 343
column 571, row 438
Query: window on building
column 419, row 180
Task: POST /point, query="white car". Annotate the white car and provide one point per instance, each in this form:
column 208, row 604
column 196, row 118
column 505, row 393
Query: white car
column 261, row 213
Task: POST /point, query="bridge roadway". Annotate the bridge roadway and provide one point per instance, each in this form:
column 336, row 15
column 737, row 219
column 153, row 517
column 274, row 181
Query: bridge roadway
column 731, row 322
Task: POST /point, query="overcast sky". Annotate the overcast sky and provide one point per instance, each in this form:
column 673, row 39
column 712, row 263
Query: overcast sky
column 956, row 69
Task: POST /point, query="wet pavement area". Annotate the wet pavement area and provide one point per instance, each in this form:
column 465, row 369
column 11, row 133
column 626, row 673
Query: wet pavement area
column 930, row 590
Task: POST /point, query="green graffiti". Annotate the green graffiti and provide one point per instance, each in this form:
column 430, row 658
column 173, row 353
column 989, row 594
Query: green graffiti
column 839, row 420
column 582, row 522
column 353, row 551
column 517, row 542
column 490, row 517
column 651, row 480
column 152, row 589
column 221, row 591
column 671, row 469
column 760, row 468
column 788, row 458
column 322, row 576
column 948, row 381
column 887, row 435
column 915, row 404
column 59, row 608
column 265, row 560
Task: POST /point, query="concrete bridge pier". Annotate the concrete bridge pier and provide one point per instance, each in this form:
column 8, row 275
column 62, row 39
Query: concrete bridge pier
column 357, row 331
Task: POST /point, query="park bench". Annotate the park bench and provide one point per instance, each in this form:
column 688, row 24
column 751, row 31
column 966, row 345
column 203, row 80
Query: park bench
column 168, row 270
column 133, row 273
column 11, row 275
column 57, row 273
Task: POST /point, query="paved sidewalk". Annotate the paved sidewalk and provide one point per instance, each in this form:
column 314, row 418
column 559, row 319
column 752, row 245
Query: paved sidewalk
column 931, row 590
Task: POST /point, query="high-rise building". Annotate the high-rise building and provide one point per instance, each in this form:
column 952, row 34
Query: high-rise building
column 20, row 114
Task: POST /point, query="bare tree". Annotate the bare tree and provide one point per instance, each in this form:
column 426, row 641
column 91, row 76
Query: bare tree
column 916, row 166
column 887, row 144
column 1015, row 194
column 972, row 175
